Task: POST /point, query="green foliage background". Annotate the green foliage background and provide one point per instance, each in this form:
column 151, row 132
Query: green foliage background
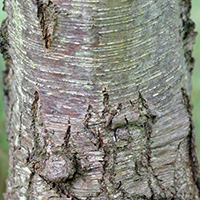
column 195, row 15
column 3, row 136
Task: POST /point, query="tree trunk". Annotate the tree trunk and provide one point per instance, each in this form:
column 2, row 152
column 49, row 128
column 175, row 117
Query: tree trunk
column 97, row 99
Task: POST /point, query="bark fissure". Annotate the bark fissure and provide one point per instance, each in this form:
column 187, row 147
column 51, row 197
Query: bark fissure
column 37, row 121
column 47, row 15
column 175, row 181
column 29, row 186
column 157, row 189
column 145, row 122
column 50, row 164
column 118, row 186
column 105, row 164
column 68, row 134
column 100, row 139
column 20, row 130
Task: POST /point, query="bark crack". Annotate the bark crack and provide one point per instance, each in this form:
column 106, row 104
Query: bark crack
column 156, row 188
column 105, row 164
column 51, row 164
column 47, row 16
column 29, row 185
column 20, row 129
column 67, row 136
column 117, row 185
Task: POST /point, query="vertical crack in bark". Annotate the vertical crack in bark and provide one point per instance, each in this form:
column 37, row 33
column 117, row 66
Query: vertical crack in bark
column 89, row 126
column 34, row 110
column 20, row 129
column 47, row 15
column 53, row 165
column 103, row 122
column 108, row 114
column 86, row 120
column 112, row 172
column 105, row 164
column 29, row 191
column 148, row 120
column 100, row 139
column 105, row 98
column 118, row 186
column 68, row 134
column 175, row 179
column 191, row 141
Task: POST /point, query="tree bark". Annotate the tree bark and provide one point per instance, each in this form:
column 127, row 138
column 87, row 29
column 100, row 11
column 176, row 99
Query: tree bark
column 97, row 99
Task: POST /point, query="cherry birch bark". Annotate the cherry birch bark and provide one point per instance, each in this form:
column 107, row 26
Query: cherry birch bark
column 97, row 99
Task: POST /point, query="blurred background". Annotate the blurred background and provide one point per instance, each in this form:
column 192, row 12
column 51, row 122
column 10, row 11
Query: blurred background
column 3, row 141
column 195, row 15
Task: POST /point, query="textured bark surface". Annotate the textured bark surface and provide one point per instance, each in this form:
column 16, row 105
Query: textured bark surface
column 97, row 99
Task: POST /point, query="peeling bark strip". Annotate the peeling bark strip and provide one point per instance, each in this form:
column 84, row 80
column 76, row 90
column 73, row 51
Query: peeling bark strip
column 101, row 115
column 47, row 15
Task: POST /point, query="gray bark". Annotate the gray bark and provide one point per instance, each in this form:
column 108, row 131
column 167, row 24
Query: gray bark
column 97, row 99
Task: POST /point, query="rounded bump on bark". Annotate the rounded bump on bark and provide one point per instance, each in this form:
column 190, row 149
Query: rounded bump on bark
column 58, row 169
